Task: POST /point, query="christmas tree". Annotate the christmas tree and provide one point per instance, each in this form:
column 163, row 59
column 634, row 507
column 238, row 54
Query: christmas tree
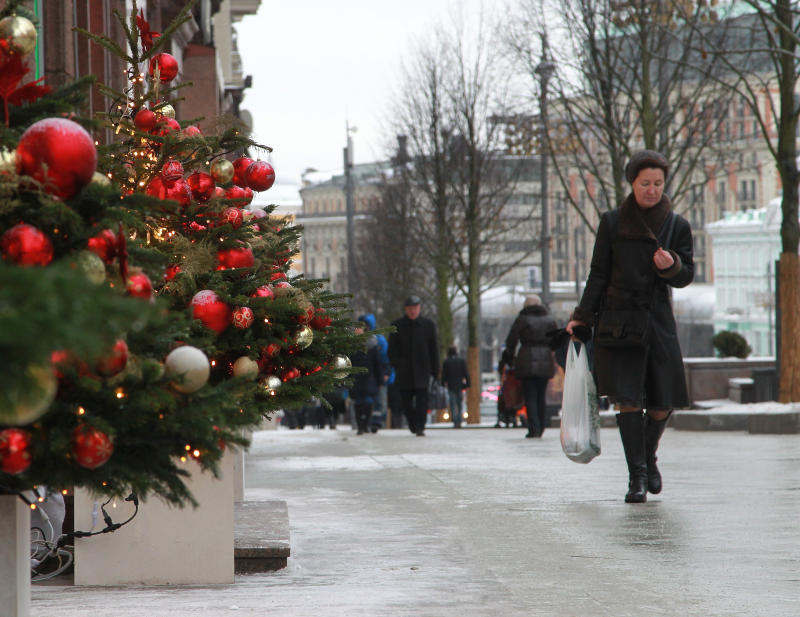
column 146, row 313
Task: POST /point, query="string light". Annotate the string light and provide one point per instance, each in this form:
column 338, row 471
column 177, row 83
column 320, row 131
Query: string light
column 188, row 447
column 196, row 453
column 81, row 411
column 119, row 392
column 183, row 459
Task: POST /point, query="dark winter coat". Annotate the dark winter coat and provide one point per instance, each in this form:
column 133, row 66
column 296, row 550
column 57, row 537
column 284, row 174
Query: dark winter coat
column 454, row 373
column 529, row 330
column 414, row 352
column 622, row 274
column 365, row 385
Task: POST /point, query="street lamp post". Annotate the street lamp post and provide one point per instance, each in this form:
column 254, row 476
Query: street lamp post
column 544, row 70
column 350, row 207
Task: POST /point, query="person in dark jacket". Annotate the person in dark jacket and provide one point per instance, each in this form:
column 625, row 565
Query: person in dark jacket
column 640, row 252
column 364, row 390
column 414, row 354
column 455, row 378
column 533, row 364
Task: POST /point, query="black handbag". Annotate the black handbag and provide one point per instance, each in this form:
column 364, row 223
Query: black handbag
column 624, row 322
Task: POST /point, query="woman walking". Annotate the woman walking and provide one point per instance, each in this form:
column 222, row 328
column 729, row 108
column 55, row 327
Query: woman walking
column 641, row 250
column 533, row 364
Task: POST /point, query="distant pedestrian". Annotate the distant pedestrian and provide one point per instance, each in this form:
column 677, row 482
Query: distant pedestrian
column 533, row 364
column 364, row 390
column 642, row 249
column 414, row 354
column 455, row 378
column 380, row 407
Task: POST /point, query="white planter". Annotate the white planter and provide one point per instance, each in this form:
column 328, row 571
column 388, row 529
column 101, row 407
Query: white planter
column 15, row 557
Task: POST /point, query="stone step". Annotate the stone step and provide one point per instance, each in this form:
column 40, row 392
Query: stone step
column 261, row 536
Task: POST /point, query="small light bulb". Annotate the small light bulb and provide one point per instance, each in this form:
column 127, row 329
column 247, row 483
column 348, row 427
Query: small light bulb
column 187, row 447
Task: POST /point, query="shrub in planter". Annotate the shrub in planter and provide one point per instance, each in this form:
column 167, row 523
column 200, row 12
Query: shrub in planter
column 729, row 343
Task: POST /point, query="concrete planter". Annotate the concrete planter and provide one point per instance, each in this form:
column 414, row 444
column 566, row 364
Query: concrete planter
column 15, row 557
column 708, row 378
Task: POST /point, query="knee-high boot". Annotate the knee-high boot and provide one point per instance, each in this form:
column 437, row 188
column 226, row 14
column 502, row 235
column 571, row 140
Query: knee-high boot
column 631, row 429
column 653, row 429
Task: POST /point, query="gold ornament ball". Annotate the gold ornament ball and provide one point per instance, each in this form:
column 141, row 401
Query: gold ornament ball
column 245, row 367
column 305, row 337
column 222, row 171
column 189, row 366
column 27, row 404
column 271, row 383
column 100, row 179
column 341, row 366
column 8, row 161
column 20, row 34
column 168, row 111
column 92, row 266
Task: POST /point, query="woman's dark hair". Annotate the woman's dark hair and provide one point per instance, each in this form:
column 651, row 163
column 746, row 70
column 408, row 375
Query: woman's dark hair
column 645, row 159
column 452, row 351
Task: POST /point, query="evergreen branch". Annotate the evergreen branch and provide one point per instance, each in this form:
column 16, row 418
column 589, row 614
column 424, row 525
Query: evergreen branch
column 105, row 42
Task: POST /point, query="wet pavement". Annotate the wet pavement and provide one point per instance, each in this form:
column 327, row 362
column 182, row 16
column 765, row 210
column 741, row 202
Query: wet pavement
column 482, row 522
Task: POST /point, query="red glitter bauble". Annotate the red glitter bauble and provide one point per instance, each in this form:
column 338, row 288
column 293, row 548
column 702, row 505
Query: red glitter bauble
column 237, row 195
column 233, row 216
column 179, row 191
column 165, row 126
column 59, row 154
column 192, row 131
column 265, row 291
column 139, row 286
column 104, row 245
column 24, row 245
column 248, row 196
column 320, row 320
column 91, row 447
column 15, row 454
column 145, row 119
column 281, row 278
column 240, row 166
column 243, row 317
column 171, row 170
column 289, row 373
column 209, row 309
column 202, row 185
column 195, row 226
column 167, row 64
column 260, row 176
column 115, row 362
column 172, row 272
column 237, row 257
column 306, row 316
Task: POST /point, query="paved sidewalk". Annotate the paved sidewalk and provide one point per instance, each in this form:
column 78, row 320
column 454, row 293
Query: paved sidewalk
column 482, row 522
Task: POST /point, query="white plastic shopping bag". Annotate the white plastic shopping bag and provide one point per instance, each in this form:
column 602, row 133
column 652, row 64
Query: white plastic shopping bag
column 580, row 417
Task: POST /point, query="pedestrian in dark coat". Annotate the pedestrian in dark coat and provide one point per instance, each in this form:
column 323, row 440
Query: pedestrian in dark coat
column 632, row 269
column 414, row 354
column 455, row 377
column 364, row 390
column 533, row 364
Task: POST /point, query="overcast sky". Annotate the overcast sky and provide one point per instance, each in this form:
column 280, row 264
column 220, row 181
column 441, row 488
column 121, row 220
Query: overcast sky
column 317, row 64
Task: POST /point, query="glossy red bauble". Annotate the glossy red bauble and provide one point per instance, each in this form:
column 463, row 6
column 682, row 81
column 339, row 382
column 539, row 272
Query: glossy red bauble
column 289, row 373
column 91, row 447
column 104, row 245
column 167, row 65
column 202, row 185
column 237, row 195
column 265, row 291
column 171, row 170
column 115, row 362
column 234, row 216
column 243, row 317
column 260, row 176
column 240, row 166
column 320, row 320
column 179, row 191
column 306, row 315
column 209, row 309
column 139, row 286
column 24, row 245
column 192, row 131
column 172, row 272
column 237, row 257
column 248, row 196
column 59, row 154
column 280, row 277
column 15, row 453
column 165, row 126
column 155, row 188
column 145, row 119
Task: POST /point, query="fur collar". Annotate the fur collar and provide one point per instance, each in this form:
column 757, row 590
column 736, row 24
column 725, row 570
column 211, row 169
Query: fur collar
column 534, row 309
column 631, row 223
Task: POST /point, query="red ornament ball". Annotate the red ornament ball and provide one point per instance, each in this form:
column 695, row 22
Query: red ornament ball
column 104, row 245
column 233, row 216
column 63, row 360
column 115, row 362
column 145, row 119
column 237, row 195
column 59, row 154
column 24, row 245
column 289, row 373
column 260, row 176
column 192, row 131
column 15, row 453
column 179, row 191
column 240, row 167
column 155, row 188
column 321, row 320
column 139, row 286
column 172, row 272
column 167, row 65
column 280, row 277
column 165, row 126
column 248, row 196
column 265, row 291
column 91, row 447
column 202, row 185
column 209, row 309
column 243, row 317
column 237, row 257
column 171, row 170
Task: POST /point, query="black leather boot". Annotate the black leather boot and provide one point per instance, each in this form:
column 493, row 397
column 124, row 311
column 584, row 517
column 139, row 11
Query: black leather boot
column 653, row 429
column 631, row 429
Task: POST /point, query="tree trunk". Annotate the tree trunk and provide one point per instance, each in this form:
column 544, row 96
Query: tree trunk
column 474, row 391
column 473, row 337
column 789, row 280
